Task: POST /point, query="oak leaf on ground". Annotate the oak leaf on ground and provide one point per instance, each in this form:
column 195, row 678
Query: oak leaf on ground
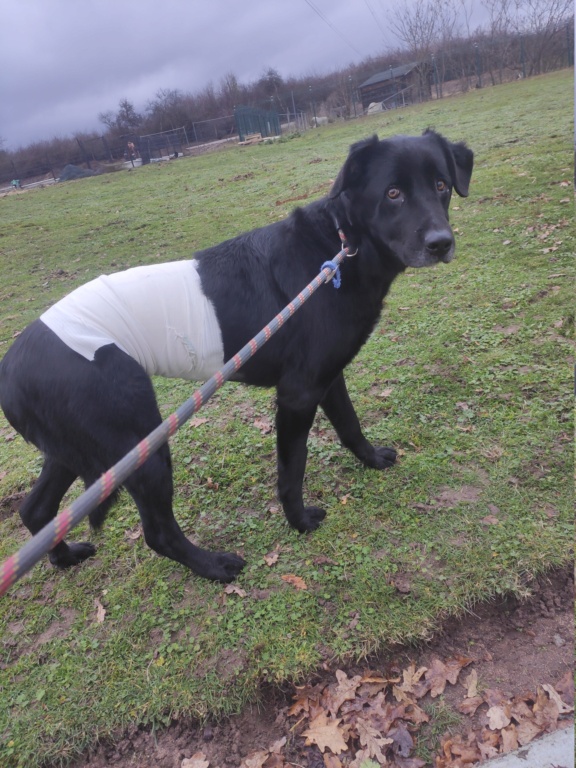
column 331, row 761
column 326, row 733
column 509, row 739
column 345, row 690
column 470, row 682
column 563, row 708
column 498, row 718
column 255, row 759
column 234, row 589
column 100, row 611
column 296, row 581
column 274, row 761
column 198, row 760
column 412, row 685
column 305, row 697
column 469, row 706
column 372, row 740
column 272, row 557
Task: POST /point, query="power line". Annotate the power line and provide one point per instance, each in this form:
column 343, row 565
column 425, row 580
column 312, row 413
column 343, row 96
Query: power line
column 376, row 19
column 332, row 27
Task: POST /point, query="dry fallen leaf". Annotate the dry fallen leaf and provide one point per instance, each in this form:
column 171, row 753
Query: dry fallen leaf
column 100, row 611
column 306, row 696
column 296, row 581
column 197, row 421
column 411, row 682
column 264, row 425
column 344, row 691
column 401, row 739
column 527, row 731
column 255, row 759
column 372, row 740
column 277, row 746
column 471, row 684
column 274, row 761
column 454, row 666
column 326, row 734
column 509, row 739
column 436, row 676
column 198, row 760
column 331, row 761
column 563, row 708
column 234, row 589
column 271, row 558
column 565, row 687
column 469, row 706
column 498, row 718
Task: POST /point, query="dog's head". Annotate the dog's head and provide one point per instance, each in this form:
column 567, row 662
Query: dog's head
column 396, row 192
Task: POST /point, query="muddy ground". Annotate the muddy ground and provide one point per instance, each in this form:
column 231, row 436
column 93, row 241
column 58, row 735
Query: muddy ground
column 515, row 646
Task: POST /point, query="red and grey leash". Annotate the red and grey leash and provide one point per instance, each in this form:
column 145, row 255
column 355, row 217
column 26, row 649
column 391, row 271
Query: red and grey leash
column 57, row 529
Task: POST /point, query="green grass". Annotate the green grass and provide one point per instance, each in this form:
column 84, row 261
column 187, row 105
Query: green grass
column 467, row 374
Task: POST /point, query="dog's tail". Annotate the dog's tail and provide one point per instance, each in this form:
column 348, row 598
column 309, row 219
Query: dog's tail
column 98, row 515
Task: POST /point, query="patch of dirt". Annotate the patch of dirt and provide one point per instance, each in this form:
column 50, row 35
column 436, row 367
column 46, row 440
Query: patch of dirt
column 515, row 646
column 9, row 505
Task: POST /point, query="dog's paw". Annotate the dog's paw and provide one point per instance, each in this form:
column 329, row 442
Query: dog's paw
column 72, row 555
column 382, row 457
column 224, row 567
column 310, row 519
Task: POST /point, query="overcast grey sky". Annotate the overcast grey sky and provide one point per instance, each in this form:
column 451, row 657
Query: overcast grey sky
column 62, row 62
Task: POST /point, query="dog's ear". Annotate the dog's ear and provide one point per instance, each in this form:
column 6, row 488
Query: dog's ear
column 463, row 164
column 460, row 161
column 353, row 169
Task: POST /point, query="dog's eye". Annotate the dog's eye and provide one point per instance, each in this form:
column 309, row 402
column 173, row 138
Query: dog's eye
column 441, row 185
column 393, row 193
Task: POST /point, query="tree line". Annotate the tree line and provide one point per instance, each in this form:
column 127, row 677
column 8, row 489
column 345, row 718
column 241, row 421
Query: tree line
column 520, row 38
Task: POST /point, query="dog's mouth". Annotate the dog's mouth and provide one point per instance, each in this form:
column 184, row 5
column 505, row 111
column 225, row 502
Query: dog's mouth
column 434, row 245
column 448, row 257
column 426, row 259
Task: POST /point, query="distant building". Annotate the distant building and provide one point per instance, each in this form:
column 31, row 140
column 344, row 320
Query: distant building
column 397, row 86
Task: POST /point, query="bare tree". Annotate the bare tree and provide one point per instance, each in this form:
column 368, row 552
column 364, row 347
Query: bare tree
column 166, row 111
column 540, row 22
column 231, row 92
column 123, row 121
column 415, row 25
column 424, row 26
column 498, row 43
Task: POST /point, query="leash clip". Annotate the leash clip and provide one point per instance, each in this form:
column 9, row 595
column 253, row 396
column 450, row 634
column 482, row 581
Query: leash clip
column 335, row 276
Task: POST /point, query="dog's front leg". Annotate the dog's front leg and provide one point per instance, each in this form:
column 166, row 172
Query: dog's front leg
column 292, row 428
column 337, row 405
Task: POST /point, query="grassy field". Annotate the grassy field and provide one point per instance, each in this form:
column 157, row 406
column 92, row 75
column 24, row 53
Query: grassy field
column 467, row 375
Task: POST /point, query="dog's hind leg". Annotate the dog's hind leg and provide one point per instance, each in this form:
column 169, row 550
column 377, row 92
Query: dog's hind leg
column 41, row 506
column 338, row 407
column 151, row 488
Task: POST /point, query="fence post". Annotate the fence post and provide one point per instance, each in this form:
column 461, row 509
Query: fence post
column 84, row 154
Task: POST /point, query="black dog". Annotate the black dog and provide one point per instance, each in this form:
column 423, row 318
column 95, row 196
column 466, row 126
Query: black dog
column 76, row 382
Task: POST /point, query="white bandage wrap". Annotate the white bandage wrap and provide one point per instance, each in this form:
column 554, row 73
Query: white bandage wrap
column 157, row 314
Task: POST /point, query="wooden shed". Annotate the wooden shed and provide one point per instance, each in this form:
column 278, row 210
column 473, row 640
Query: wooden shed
column 396, row 86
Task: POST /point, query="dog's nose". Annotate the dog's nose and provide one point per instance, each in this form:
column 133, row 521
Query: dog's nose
column 439, row 242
